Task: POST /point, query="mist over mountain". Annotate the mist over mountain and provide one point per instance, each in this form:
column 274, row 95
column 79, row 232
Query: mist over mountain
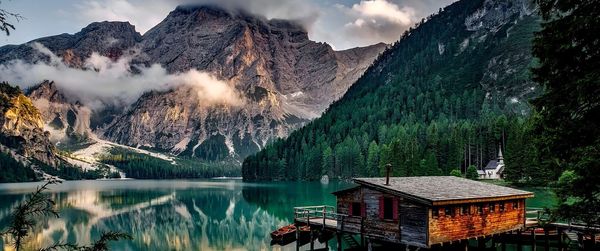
column 450, row 93
column 207, row 82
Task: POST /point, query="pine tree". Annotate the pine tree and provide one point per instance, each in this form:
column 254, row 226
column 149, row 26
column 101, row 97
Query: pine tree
column 568, row 124
column 373, row 159
column 472, row 173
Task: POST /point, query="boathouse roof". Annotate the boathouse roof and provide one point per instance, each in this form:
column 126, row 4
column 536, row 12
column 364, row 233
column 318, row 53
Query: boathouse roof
column 443, row 190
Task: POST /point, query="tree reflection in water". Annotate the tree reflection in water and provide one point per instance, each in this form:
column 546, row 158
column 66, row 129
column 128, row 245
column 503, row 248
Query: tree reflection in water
column 170, row 215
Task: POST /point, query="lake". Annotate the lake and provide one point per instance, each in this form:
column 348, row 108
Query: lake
column 178, row 214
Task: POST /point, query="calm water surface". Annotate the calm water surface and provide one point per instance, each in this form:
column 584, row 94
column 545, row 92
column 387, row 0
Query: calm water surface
column 177, row 214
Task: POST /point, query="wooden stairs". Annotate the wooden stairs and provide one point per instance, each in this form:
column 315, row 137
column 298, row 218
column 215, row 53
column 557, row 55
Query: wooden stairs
column 351, row 242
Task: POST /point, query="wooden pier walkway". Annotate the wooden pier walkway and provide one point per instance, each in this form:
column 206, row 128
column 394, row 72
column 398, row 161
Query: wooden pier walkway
column 325, row 223
column 323, row 217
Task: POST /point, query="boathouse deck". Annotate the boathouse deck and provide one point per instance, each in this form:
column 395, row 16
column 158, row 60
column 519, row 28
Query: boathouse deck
column 323, row 217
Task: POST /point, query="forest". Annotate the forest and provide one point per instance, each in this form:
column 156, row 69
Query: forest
column 142, row 166
column 425, row 111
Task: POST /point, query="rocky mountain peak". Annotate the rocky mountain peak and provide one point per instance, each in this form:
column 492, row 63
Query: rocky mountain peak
column 47, row 89
column 111, row 39
column 285, row 79
column 21, row 127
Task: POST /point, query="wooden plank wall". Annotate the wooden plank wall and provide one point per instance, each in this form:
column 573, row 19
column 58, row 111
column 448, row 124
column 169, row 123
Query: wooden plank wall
column 413, row 224
column 445, row 228
column 350, row 224
column 414, row 231
column 387, row 230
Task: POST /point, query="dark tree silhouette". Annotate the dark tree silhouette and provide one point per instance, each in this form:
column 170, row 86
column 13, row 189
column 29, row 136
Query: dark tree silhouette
column 568, row 128
column 5, row 25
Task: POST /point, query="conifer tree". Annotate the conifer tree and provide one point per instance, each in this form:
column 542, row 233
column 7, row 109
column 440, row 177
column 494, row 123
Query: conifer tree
column 568, row 124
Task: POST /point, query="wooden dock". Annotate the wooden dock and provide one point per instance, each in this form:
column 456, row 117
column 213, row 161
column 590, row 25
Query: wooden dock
column 322, row 217
column 325, row 223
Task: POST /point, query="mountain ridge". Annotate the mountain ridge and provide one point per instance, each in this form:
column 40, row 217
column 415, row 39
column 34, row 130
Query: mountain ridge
column 445, row 96
column 285, row 79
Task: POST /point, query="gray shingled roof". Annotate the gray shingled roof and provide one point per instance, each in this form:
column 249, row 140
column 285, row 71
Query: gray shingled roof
column 434, row 189
column 491, row 165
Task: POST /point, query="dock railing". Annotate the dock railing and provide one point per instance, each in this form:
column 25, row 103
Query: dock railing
column 318, row 214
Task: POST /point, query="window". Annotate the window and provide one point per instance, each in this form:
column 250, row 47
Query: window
column 356, row 209
column 492, row 207
column 479, row 209
column 435, row 212
column 465, row 209
column 515, row 205
column 388, row 208
column 501, row 207
column 448, row 211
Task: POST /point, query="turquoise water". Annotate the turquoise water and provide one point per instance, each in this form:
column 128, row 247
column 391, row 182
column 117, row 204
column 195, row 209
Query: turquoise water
column 177, row 214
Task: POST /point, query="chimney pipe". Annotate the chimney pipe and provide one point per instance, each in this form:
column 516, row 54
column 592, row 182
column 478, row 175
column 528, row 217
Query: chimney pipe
column 388, row 168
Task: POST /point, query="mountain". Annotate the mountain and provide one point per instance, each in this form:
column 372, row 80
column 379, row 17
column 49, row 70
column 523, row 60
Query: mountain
column 110, row 39
column 447, row 95
column 26, row 151
column 68, row 122
column 284, row 80
column 22, row 127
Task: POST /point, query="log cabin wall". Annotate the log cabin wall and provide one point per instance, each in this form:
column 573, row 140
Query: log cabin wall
column 413, row 224
column 372, row 221
column 377, row 226
column 458, row 225
column 344, row 204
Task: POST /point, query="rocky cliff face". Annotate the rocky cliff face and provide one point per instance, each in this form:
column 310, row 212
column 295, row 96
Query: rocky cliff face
column 284, row 78
column 68, row 122
column 111, row 39
column 22, row 127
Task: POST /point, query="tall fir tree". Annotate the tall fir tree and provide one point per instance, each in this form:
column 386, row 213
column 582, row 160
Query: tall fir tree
column 568, row 127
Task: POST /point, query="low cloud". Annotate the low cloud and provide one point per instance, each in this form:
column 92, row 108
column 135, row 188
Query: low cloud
column 378, row 21
column 145, row 14
column 103, row 82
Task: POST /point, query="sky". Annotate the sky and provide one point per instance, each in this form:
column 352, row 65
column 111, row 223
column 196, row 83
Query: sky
column 341, row 23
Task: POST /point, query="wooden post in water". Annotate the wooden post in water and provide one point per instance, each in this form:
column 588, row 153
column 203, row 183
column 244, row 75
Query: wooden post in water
column 546, row 239
column 560, row 236
column 533, row 239
column 519, row 236
column 312, row 240
column 297, row 239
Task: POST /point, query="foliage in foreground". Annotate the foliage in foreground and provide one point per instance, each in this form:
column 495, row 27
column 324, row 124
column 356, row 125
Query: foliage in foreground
column 5, row 24
column 37, row 205
column 568, row 129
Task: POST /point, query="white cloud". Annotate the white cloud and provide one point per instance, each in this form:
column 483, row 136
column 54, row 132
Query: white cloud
column 357, row 23
column 103, row 81
column 143, row 14
column 382, row 9
column 376, row 21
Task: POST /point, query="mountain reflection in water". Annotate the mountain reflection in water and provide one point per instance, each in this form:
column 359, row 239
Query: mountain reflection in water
column 170, row 215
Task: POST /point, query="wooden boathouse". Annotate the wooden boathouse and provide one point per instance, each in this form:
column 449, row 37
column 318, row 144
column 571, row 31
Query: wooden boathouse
column 420, row 211
column 425, row 211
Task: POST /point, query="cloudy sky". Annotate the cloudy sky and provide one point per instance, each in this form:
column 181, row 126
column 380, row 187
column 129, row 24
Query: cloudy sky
column 341, row 23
